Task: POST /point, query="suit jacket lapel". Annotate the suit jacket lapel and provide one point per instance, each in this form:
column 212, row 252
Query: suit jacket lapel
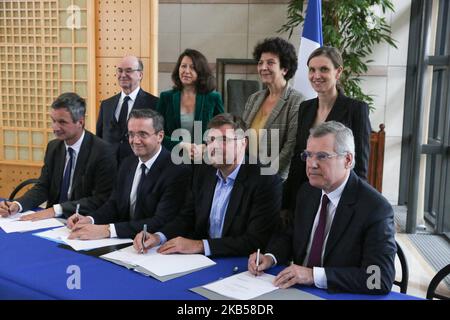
column 114, row 108
column 235, row 198
column 339, row 109
column 258, row 103
column 150, row 179
column 176, row 105
column 343, row 215
column 82, row 160
column 199, row 104
column 128, row 185
column 279, row 106
column 304, row 222
column 59, row 164
column 209, row 186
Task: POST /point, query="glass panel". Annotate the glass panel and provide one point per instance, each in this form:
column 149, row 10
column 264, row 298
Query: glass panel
column 9, row 137
column 24, row 153
column 37, row 138
column 81, row 3
column 65, row 35
column 66, row 86
column 80, row 54
column 38, row 154
column 24, row 138
column 80, row 35
column 10, row 153
column 64, row 3
column 81, row 72
column 66, row 55
column 81, row 89
column 66, row 71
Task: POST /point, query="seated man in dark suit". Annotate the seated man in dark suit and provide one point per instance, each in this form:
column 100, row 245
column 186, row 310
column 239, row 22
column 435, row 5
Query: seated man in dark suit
column 342, row 237
column 231, row 209
column 79, row 168
column 114, row 111
column 152, row 197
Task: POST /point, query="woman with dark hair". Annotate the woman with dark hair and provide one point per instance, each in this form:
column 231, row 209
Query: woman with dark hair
column 325, row 66
column 192, row 98
column 272, row 113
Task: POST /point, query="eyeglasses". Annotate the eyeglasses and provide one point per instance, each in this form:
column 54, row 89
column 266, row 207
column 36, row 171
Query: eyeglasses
column 220, row 139
column 142, row 135
column 127, row 71
column 320, row 156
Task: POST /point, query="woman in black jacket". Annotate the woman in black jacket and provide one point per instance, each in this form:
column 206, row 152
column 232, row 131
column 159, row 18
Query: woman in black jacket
column 325, row 68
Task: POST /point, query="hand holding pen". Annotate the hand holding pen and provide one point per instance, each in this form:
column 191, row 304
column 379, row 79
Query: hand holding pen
column 8, row 208
column 258, row 262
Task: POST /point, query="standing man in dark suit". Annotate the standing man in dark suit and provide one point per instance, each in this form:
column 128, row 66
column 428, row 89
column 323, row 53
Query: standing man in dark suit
column 114, row 111
column 150, row 189
column 232, row 208
column 342, row 237
column 79, row 168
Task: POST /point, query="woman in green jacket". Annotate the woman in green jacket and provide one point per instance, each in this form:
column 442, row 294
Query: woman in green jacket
column 192, row 98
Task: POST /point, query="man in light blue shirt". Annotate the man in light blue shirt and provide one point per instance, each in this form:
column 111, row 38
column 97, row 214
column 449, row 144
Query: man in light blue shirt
column 232, row 208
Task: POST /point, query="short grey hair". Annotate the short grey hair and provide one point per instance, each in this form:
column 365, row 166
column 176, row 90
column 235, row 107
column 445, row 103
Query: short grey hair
column 73, row 103
column 344, row 141
column 158, row 120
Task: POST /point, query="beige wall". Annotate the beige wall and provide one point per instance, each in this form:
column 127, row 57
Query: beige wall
column 230, row 29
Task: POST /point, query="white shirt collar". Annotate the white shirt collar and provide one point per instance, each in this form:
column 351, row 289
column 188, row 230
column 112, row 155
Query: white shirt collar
column 132, row 95
column 336, row 194
column 152, row 160
column 77, row 145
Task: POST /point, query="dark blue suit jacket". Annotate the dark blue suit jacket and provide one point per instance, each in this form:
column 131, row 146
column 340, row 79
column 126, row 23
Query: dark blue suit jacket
column 251, row 215
column 108, row 128
column 93, row 179
column 362, row 235
column 164, row 191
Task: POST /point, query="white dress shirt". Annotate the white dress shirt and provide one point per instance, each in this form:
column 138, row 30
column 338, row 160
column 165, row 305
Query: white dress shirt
column 131, row 101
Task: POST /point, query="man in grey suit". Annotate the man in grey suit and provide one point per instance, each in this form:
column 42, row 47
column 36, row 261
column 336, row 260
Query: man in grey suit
column 342, row 237
column 79, row 168
column 114, row 111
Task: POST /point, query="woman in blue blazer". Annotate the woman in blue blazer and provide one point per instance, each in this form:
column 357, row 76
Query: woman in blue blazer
column 192, row 98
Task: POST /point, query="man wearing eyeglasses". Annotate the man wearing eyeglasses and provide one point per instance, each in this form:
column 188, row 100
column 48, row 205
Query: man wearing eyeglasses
column 150, row 190
column 232, row 208
column 342, row 236
column 114, row 111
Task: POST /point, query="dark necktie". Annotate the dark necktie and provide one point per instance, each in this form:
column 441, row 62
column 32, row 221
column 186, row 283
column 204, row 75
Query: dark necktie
column 315, row 253
column 123, row 114
column 139, row 188
column 66, row 178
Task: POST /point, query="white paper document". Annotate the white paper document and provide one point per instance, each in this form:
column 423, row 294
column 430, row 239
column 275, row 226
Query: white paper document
column 15, row 225
column 160, row 264
column 14, row 217
column 243, row 286
column 61, row 235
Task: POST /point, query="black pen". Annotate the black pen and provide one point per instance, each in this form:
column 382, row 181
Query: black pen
column 9, row 210
column 144, row 231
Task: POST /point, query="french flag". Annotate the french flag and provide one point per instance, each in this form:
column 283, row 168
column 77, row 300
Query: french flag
column 311, row 40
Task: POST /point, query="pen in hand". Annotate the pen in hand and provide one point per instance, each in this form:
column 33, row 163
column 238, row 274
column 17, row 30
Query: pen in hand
column 144, row 232
column 257, row 260
column 77, row 212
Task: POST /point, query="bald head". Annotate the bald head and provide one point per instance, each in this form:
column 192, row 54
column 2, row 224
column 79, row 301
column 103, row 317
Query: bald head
column 129, row 73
